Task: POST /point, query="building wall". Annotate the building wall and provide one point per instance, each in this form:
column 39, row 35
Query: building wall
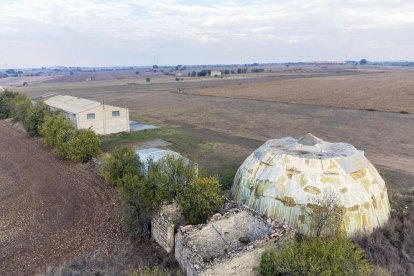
column 215, row 73
column 104, row 122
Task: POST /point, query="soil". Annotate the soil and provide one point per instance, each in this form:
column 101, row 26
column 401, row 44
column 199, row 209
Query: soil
column 52, row 210
column 387, row 91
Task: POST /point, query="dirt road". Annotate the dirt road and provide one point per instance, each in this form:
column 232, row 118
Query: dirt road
column 50, row 210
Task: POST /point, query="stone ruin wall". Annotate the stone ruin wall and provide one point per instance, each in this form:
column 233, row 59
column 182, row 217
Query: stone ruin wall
column 162, row 231
column 215, row 248
column 163, row 226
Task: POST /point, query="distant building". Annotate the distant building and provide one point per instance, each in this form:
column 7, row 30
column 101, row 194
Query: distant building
column 215, row 73
column 103, row 119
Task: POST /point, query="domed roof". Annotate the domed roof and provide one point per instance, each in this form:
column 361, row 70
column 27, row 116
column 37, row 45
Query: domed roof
column 285, row 177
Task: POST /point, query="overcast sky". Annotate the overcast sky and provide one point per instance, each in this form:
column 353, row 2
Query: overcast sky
column 144, row 32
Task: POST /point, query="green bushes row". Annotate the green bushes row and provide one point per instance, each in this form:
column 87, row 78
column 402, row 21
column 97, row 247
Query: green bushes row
column 54, row 128
column 144, row 190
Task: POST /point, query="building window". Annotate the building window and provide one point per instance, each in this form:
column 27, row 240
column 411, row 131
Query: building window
column 115, row 113
column 90, row 116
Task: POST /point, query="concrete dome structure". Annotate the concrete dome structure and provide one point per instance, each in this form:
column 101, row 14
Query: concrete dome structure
column 284, row 178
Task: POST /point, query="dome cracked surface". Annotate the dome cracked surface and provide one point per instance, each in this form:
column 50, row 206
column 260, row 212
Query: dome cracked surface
column 284, row 178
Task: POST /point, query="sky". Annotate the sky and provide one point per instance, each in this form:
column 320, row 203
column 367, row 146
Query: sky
column 37, row 33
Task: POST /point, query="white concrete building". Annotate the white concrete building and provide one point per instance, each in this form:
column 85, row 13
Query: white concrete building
column 157, row 155
column 215, row 73
column 103, row 119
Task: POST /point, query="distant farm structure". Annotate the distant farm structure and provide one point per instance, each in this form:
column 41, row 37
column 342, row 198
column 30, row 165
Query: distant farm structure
column 103, row 119
column 215, row 73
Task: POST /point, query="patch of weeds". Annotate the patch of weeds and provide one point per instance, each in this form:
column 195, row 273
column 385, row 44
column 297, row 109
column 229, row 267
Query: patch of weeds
column 114, row 140
column 227, row 177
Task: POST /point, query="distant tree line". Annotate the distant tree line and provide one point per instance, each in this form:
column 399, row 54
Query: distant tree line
column 207, row 72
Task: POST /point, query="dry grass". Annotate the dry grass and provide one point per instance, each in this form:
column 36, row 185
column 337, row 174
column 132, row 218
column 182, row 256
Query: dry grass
column 392, row 246
column 388, row 91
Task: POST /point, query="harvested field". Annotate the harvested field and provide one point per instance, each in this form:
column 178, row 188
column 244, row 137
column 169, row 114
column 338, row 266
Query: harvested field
column 387, row 91
column 385, row 136
column 53, row 211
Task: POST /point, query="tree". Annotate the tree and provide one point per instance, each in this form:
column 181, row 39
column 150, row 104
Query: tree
column 200, row 199
column 82, row 145
column 19, row 107
column 363, row 61
column 5, row 105
column 171, row 175
column 35, row 118
column 141, row 202
column 52, row 124
column 122, row 162
column 147, row 79
column 203, row 73
column 315, row 256
column 326, row 215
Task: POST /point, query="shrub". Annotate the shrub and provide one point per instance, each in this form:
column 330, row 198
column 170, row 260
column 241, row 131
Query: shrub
column 155, row 271
column 392, row 246
column 50, row 127
column 141, row 202
column 315, row 256
column 82, row 145
column 35, row 117
column 171, row 174
column 147, row 79
column 5, row 108
column 62, row 138
column 326, row 216
column 123, row 161
column 200, row 199
column 19, row 107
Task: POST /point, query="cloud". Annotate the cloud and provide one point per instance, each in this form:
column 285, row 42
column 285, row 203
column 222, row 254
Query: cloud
column 187, row 31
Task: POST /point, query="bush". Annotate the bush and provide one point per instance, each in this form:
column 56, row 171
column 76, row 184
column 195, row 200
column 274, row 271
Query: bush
column 35, row 118
column 155, row 271
column 82, row 145
column 123, row 161
column 147, row 79
column 5, row 99
column 141, row 202
column 19, row 107
column 62, row 138
column 392, row 246
column 315, row 256
column 326, row 217
column 51, row 126
column 200, row 199
column 170, row 175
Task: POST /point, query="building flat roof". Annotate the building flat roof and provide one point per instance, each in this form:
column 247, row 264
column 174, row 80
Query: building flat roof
column 71, row 104
column 155, row 154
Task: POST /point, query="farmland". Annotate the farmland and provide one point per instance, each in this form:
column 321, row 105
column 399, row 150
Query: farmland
column 216, row 122
column 361, row 107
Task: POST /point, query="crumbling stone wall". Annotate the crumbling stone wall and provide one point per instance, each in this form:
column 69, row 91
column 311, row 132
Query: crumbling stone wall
column 163, row 226
column 230, row 244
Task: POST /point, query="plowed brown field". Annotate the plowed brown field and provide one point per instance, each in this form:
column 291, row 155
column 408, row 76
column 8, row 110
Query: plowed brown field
column 388, row 91
column 50, row 210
